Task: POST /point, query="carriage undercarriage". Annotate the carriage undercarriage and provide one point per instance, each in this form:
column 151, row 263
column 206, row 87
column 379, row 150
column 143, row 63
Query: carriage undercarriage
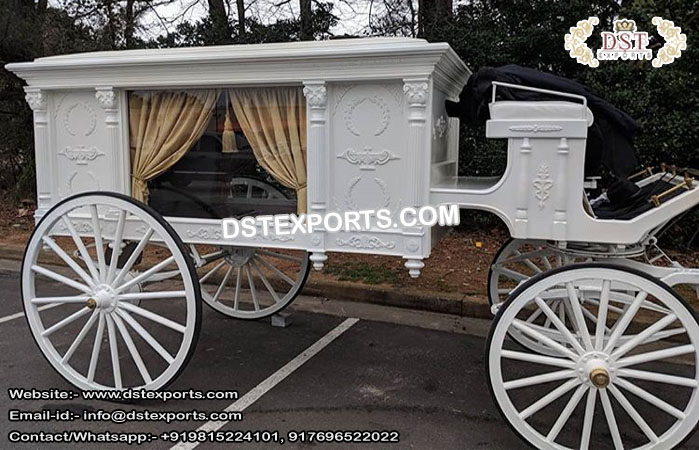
column 588, row 318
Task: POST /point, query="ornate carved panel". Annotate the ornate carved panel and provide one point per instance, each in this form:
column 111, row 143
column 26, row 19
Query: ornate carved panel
column 81, row 156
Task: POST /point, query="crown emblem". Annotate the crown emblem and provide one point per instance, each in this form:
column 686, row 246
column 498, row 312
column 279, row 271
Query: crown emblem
column 624, row 25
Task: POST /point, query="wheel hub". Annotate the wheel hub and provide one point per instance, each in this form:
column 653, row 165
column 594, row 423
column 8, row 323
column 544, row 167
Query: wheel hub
column 239, row 256
column 105, row 298
column 596, row 369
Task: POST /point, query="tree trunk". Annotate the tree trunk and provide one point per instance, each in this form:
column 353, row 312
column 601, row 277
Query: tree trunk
column 241, row 19
column 306, row 20
column 219, row 22
column 430, row 14
column 129, row 23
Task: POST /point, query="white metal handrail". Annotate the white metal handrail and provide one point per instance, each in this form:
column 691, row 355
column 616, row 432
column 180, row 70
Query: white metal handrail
column 533, row 89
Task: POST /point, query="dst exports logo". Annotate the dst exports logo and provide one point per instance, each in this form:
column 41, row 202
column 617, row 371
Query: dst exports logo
column 625, row 42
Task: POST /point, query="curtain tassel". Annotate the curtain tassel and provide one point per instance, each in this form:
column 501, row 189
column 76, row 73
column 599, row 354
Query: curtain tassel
column 228, row 137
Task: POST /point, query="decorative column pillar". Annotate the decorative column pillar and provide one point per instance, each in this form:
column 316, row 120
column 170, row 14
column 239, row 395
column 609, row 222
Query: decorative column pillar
column 109, row 101
column 416, row 92
column 317, row 163
column 560, row 216
column 38, row 102
column 522, row 215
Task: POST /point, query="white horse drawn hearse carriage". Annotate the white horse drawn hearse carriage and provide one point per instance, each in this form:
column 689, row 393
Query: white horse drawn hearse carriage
column 140, row 154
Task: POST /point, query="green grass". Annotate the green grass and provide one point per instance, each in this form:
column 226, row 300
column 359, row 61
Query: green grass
column 363, row 272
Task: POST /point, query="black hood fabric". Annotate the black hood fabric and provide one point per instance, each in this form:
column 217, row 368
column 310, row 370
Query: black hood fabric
column 609, row 139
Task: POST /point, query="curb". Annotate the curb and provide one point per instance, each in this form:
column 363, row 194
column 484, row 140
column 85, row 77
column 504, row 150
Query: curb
column 432, row 301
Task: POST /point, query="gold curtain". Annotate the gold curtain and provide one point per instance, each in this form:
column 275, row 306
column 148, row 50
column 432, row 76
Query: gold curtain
column 163, row 126
column 273, row 121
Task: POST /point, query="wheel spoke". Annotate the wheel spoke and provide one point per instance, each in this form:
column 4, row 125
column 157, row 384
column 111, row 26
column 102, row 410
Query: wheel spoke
column 116, row 246
column 624, row 321
column 81, row 248
column 538, row 359
column 642, row 336
column 266, row 282
column 548, row 398
column 69, row 261
column 565, row 414
column 650, row 398
column 655, row 355
column 611, row 420
column 132, row 349
column 539, row 379
column 96, row 348
column 143, row 276
column 212, row 271
column 601, row 326
column 65, row 299
column 527, row 329
column 114, row 351
column 99, row 244
column 138, row 328
column 274, row 269
column 512, row 274
column 559, row 325
column 281, row 256
column 133, row 257
column 631, row 411
column 223, row 284
column 253, row 294
column 80, row 337
column 589, row 418
column 236, row 295
column 153, row 316
column 70, row 319
column 152, row 295
column 61, row 279
column 658, row 377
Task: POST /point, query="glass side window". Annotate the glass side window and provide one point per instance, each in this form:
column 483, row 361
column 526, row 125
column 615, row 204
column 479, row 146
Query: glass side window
column 218, row 175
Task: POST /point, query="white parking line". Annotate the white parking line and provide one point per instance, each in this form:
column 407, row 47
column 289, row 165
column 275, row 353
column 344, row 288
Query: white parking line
column 261, row 389
column 21, row 314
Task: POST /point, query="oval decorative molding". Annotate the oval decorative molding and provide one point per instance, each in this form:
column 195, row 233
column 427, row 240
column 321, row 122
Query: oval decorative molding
column 76, row 125
column 365, row 242
column 367, row 160
column 385, row 114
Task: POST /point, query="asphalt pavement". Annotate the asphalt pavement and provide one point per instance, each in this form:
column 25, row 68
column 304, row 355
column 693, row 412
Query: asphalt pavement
column 422, row 376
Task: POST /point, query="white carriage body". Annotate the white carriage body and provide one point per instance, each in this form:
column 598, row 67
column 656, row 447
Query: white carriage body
column 378, row 136
column 378, row 133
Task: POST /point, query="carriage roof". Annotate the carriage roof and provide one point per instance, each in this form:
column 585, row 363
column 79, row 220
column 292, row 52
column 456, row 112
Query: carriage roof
column 292, row 62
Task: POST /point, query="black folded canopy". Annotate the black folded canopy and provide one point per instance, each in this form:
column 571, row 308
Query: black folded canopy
column 609, row 140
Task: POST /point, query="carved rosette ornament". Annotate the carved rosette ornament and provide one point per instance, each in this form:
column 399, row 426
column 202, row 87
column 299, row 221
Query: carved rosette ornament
column 36, row 100
column 106, row 98
column 316, row 95
column 416, row 93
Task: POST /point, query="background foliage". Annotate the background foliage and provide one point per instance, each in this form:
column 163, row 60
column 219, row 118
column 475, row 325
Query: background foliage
column 664, row 101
